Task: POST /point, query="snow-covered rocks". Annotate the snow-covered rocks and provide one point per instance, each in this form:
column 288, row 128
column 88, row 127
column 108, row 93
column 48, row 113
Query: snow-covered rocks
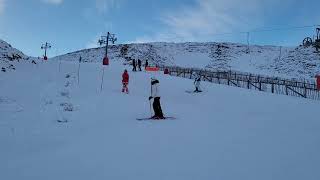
column 8, row 54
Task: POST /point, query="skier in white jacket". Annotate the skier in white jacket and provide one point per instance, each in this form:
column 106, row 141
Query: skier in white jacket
column 155, row 95
column 197, row 83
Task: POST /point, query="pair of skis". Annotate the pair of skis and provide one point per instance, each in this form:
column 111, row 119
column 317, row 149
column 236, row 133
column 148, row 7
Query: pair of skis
column 152, row 118
column 156, row 119
column 194, row 92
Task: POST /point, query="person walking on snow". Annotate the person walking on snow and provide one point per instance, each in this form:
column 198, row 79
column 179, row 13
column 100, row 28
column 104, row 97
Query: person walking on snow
column 125, row 81
column 134, row 65
column 155, row 95
column 197, row 84
column 139, row 64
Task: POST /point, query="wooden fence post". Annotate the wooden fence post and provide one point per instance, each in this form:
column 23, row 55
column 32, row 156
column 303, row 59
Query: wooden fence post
column 228, row 77
column 272, row 88
column 305, row 90
column 249, row 82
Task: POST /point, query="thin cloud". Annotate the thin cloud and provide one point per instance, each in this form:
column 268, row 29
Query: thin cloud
column 2, row 4
column 104, row 6
column 210, row 17
column 93, row 43
column 54, row 2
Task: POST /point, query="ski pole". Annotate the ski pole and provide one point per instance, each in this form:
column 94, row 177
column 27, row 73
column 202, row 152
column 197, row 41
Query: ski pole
column 150, row 108
column 150, row 100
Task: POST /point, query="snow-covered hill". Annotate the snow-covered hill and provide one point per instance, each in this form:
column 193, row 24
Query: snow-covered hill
column 9, row 54
column 224, row 133
column 296, row 62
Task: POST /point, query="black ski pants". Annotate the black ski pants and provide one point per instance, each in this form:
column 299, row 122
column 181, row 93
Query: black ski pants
column 157, row 107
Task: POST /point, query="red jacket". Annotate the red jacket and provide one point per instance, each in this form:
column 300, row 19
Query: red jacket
column 125, row 77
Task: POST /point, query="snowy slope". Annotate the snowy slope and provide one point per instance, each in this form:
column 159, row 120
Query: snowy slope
column 224, row 133
column 296, row 62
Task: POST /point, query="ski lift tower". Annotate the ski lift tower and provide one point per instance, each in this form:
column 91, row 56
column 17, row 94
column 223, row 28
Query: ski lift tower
column 105, row 40
column 45, row 46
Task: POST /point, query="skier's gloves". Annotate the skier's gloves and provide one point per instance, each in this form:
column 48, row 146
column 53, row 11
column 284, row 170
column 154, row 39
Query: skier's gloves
column 150, row 98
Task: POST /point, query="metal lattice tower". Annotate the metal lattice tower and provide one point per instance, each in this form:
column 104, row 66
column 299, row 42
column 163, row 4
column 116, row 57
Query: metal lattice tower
column 46, row 46
column 106, row 39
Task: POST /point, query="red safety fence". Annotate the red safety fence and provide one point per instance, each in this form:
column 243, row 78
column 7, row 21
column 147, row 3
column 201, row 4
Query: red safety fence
column 152, row 69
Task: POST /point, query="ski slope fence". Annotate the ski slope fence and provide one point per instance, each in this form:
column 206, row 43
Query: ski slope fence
column 276, row 85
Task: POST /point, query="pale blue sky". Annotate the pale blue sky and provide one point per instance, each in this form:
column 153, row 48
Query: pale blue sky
column 76, row 24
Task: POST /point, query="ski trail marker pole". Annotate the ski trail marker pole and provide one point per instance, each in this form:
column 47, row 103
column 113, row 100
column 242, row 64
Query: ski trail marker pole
column 79, row 74
column 102, row 78
column 59, row 64
column 79, row 70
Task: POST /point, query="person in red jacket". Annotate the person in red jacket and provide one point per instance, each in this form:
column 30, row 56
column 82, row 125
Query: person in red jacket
column 125, row 81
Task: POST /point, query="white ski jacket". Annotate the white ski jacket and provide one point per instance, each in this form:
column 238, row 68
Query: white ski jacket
column 155, row 88
column 197, row 82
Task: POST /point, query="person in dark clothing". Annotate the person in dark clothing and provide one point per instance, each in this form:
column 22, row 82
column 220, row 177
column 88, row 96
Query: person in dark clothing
column 146, row 64
column 155, row 95
column 134, row 65
column 139, row 64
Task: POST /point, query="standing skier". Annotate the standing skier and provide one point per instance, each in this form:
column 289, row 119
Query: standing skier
column 146, row 64
column 139, row 64
column 134, row 65
column 155, row 95
column 125, row 81
column 197, row 83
